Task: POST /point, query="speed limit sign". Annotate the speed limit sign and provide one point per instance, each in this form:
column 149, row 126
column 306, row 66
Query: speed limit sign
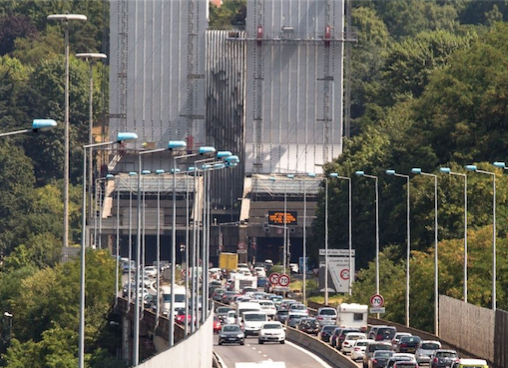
column 284, row 280
column 377, row 301
column 274, row 278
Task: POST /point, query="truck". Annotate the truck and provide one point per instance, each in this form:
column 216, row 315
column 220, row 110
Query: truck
column 241, row 282
column 180, row 296
column 228, row 261
column 352, row 315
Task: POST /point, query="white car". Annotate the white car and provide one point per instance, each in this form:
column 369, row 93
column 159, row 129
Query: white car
column 358, row 350
column 151, row 271
column 425, row 349
column 272, row 332
column 350, row 340
column 260, row 271
column 298, row 309
column 268, row 307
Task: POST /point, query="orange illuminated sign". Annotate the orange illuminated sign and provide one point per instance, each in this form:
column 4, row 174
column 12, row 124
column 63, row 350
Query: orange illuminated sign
column 277, row 217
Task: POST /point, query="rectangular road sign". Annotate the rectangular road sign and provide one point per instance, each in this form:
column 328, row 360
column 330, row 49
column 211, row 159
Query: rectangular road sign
column 337, row 252
column 377, row 310
column 241, row 251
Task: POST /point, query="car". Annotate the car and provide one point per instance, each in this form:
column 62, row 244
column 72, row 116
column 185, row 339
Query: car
column 383, row 333
column 261, row 282
column 400, row 357
column 217, row 325
column 268, row 307
column 405, row 364
column 151, row 271
column 226, row 297
column 408, row 344
column 342, row 336
column 425, row 349
column 247, row 290
column 470, row 363
column 372, row 347
column 335, row 336
column 260, row 272
column 222, row 312
column 272, row 332
column 396, row 339
column 443, row 358
column 380, row 358
column 350, row 340
column 326, row 316
column 293, row 320
column 285, row 303
column 282, row 315
column 217, row 294
column 308, row 325
column 180, row 316
column 358, row 350
column 298, row 308
column 326, row 332
column 231, row 334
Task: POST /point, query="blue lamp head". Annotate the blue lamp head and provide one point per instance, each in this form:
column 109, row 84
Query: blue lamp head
column 223, row 154
column 206, row 150
column 43, row 124
column 471, row 167
column 206, row 166
column 311, row 175
column 159, row 171
column 133, row 173
column 125, row 136
column 191, row 169
column 176, row 145
column 231, row 164
column 359, row 173
column 232, row 159
column 219, row 166
column 416, row 170
column 390, row 172
column 175, row 171
column 333, row 175
column 445, row 170
column 145, row 172
column 110, row 176
column 499, row 164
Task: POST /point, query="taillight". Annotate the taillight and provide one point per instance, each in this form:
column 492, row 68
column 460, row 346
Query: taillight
column 357, row 349
column 374, row 361
column 379, row 337
column 435, row 360
column 403, row 345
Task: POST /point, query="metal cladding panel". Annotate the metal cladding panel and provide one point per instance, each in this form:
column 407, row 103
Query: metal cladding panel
column 225, row 89
column 157, row 70
column 294, row 84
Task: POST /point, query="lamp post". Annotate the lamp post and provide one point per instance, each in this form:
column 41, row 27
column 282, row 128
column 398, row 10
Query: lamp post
column 143, row 238
column 158, row 257
column 408, row 239
column 129, row 286
column 81, row 345
column 37, row 126
column 446, row 170
column 117, row 251
column 90, row 57
column 286, row 235
column 311, row 175
column 361, row 173
column 65, row 18
column 172, row 145
column 494, row 235
column 418, row 171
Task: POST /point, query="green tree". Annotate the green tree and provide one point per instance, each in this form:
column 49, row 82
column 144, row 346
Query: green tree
column 230, row 14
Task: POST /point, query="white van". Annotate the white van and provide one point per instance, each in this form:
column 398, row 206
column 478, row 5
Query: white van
column 253, row 321
column 243, row 307
column 180, row 295
column 352, row 315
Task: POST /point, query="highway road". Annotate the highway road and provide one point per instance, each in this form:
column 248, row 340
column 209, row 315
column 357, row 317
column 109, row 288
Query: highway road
column 270, row 355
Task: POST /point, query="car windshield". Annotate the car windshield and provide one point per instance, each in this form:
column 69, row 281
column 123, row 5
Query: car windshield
column 329, row 328
column 282, row 313
column 446, row 354
column 254, row 317
column 410, row 339
column 230, row 328
column 298, row 306
column 383, row 354
column 223, row 309
column 361, row 343
column 430, row 346
column 272, row 326
column 354, row 337
column 374, row 347
column 327, row 312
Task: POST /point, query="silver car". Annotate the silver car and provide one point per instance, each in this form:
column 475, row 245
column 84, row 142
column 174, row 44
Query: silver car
column 326, row 316
column 425, row 349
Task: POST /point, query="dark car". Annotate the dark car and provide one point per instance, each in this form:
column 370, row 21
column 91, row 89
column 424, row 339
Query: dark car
column 443, row 358
column 408, row 344
column 226, row 297
column 213, row 285
column 308, row 325
column 222, row 312
column 380, row 358
column 405, row 365
column 326, row 332
column 335, row 337
column 282, row 316
column 385, row 333
column 262, row 281
column 294, row 319
column 231, row 334
column 343, row 334
column 217, row 294
column 371, row 348
column 400, row 358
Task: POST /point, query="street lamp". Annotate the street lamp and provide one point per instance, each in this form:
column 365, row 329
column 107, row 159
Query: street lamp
column 81, row 348
column 286, row 235
column 310, row 175
column 494, row 262
column 446, row 170
column 361, row 173
column 65, row 18
column 418, row 171
column 37, row 125
column 90, row 57
column 129, row 288
column 408, row 239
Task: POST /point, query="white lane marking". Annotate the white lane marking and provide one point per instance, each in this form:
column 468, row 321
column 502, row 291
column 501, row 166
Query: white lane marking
column 315, row 357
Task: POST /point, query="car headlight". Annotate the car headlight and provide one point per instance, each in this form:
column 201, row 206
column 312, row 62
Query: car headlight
column 221, row 335
column 240, row 335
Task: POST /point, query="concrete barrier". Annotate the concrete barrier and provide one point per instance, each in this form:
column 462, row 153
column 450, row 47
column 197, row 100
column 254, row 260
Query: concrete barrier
column 321, row 349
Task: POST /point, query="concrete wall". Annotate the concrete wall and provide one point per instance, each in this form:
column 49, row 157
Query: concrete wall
column 185, row 352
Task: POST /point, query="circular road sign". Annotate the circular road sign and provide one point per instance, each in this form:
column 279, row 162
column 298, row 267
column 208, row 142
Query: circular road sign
column 284, row 280
column 274, row 278
column 344, row 274
column 377, row 301
column 242, row 245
